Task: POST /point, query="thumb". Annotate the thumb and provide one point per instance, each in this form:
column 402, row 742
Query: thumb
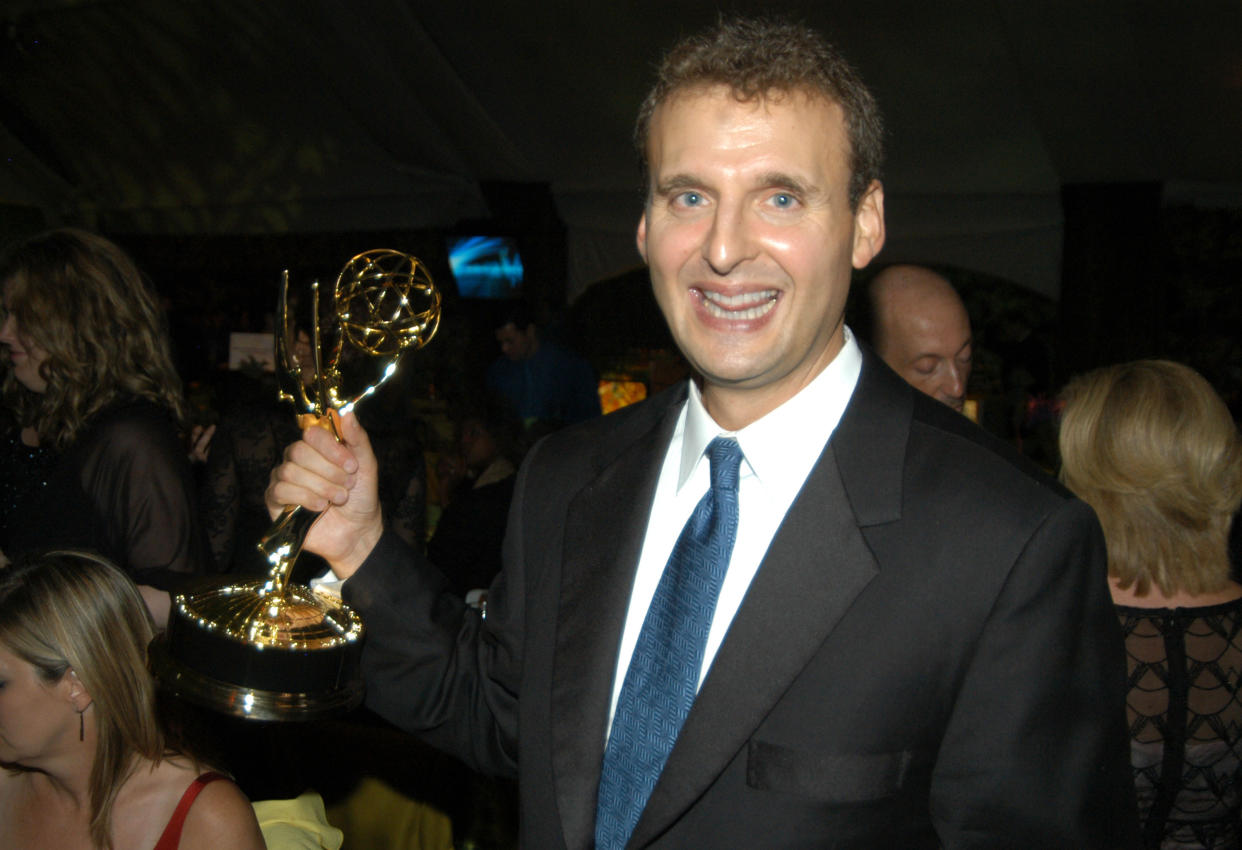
column 355, row 436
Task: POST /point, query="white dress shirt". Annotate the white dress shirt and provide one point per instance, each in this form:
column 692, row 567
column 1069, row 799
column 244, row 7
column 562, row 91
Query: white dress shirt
column 778, row 451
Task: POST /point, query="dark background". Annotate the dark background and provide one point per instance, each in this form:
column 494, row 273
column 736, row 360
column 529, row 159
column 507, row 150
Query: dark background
column 1073, row 167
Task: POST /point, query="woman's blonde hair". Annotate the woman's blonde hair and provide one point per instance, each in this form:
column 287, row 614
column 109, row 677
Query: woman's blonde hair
column 1153, row 449
column 70, row 610
column 80, row 299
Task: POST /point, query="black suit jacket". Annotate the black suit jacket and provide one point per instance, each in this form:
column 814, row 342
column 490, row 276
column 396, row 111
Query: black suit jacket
column 926, row 657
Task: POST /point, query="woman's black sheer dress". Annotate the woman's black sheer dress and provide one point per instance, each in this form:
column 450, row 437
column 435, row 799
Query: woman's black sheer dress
column 1186, row 723
column 122, row 489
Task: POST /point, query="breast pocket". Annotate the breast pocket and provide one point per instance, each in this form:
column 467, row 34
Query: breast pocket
column 834, row 778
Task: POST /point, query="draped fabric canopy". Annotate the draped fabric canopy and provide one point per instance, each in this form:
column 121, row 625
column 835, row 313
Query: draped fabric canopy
column 236, row 117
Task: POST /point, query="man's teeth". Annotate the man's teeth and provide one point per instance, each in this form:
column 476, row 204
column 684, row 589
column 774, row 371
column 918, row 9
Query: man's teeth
column 745, row 305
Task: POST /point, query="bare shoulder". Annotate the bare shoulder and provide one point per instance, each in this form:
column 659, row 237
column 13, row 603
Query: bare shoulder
column 221, row 817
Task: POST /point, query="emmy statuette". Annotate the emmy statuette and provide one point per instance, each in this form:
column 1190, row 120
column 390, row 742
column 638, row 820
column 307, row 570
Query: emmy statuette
column 269, row 649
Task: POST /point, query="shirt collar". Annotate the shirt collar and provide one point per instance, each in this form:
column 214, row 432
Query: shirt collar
column 787, row 440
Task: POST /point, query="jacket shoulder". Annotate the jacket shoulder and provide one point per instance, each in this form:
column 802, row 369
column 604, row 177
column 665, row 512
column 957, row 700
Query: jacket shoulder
column 901, row 452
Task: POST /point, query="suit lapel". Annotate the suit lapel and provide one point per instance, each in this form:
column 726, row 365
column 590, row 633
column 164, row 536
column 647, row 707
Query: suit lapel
column 799, row 593
column 604, row 530
column 816, row 566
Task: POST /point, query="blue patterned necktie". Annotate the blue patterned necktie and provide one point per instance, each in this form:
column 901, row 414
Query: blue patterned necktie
column 663, row 676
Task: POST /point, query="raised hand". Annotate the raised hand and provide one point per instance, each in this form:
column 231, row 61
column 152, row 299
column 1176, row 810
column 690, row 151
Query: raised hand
column 341, row 481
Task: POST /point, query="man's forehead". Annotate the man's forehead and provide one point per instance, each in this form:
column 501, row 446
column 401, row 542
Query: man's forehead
column 924, row 334
column 671, row 116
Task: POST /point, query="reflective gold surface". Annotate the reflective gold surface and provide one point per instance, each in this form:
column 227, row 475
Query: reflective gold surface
column 383, row 304
column 251, row 613
column 268, row 649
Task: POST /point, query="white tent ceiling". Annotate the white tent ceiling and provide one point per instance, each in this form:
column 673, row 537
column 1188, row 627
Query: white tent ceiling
column 235, row 116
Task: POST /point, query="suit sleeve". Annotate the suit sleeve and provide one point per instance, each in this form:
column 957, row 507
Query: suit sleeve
column 435, row 667
column 1036, row 753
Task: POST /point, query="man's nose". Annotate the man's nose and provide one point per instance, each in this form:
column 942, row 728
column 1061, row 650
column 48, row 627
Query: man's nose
column 955, row 381
column 730, row 240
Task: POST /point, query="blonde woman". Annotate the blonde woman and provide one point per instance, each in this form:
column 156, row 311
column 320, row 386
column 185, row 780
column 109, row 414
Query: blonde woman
column 92, row 457
column 86, row 764
column 1152, row 448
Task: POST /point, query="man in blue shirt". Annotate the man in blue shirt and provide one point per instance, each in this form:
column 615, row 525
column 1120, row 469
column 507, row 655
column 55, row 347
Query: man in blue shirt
column 544, row 382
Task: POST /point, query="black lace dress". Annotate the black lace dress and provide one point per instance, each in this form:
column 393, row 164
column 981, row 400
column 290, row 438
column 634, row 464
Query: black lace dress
column 248, row 444
column 1185, row 721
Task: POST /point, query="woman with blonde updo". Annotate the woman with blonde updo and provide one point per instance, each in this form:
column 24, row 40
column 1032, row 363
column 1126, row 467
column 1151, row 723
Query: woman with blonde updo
column 85, row 761
column 1153, row 449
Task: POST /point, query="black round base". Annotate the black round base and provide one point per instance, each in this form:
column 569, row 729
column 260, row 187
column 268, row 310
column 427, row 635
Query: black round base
column 217, row 671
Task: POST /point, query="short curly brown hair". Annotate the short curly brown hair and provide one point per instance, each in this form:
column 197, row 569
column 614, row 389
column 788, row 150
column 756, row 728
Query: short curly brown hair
column 756, row 57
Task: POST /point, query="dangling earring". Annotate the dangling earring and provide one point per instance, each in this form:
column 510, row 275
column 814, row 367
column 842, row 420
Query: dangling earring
column 82, row 725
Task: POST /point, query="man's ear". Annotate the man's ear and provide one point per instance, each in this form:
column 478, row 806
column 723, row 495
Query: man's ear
column 869, row 225
column 642, row 236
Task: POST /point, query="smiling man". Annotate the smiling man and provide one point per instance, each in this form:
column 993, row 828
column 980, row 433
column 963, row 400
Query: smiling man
column 790, row 602
column 750, row 234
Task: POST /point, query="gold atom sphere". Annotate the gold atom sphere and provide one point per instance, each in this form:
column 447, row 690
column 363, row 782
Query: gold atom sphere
column 386, row 302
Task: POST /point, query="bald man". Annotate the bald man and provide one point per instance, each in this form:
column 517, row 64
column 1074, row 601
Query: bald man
column 921, row 330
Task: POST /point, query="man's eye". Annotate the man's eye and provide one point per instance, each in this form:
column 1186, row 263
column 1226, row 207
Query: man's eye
column 784, row 200
column 689, row 199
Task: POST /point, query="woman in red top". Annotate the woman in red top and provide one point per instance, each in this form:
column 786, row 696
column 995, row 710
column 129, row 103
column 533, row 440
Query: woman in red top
column 86, row 763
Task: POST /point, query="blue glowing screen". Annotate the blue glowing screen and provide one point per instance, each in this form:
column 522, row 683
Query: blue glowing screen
column 485, row 266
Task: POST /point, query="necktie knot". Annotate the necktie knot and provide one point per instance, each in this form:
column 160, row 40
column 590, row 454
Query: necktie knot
column 725, row 456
